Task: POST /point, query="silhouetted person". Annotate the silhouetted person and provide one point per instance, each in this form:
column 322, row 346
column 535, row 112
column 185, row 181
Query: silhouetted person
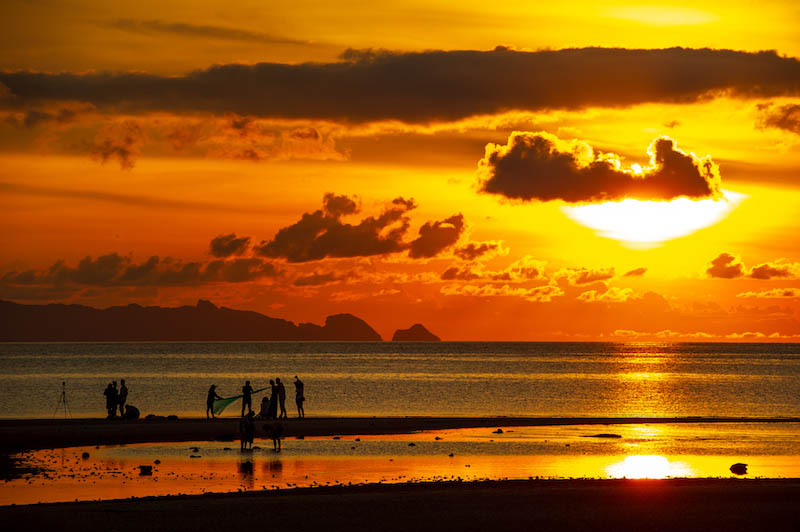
column 122, row 397
column 272, row 413
column 299, row 396
column 131, row 412
column 276, row 433
column 281, row 397
column 116, row 399
column 247, row 397
column 111, row 400
column 247, row 430
column 212, row 395
column 263, row 413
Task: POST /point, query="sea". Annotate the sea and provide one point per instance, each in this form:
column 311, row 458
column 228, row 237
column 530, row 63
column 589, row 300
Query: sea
column 56, row 380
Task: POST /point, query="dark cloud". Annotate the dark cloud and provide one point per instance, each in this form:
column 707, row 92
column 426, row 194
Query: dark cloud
column 35, row 117
column 770, row 270
column 228, row 245
column 525, row 269
column 199, row 31
column 539, row 166
column 786, row 117
column 318, row 279
column 775, row 293
column 423, row 87
column 119, row 270
column 322, row 233
column 435, row 237
column 725, row 266
column 118, row 141
column 475, row 250
column 638, row 272
column 579, row 276
column 130, row 200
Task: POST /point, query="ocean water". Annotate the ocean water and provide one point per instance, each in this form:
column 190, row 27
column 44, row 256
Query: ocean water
column 398, row 379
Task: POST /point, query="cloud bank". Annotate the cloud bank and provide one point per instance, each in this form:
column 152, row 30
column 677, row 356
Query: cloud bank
column 420, row 87
column 539, row 166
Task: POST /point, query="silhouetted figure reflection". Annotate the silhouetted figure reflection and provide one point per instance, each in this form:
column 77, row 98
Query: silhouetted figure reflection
column 212, row 395
column 247, row 430
column 247, row 397
column 246, row 468
column 275, row 432
column 299, row 396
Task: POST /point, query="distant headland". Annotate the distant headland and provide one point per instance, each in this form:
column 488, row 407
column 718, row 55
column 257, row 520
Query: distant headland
column 415, row 333
column 205, row 321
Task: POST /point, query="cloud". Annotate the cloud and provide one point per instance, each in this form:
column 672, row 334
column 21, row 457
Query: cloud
column 539, row 166
column 118, row 141
column 480, row 250
column 786, row 117
column 525, row 269
column 637, row 272
column 318, row 279
column 420, row 87
column 539, row 294
column 322, row 233
column 435, row 237
column 118, row 270
column 727, row 266
column 579, row 276
column 612, row 295
column 664, row 334
column 228, row 245
column 198, row 31
column 775, row 293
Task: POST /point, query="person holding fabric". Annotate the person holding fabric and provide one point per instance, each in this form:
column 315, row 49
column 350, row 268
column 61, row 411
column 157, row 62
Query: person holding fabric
column 212, row 395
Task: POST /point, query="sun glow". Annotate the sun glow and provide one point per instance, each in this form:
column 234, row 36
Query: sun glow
column 648, row 466
column 646, row 223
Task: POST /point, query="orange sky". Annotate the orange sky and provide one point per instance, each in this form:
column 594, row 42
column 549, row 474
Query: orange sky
column 268, row 156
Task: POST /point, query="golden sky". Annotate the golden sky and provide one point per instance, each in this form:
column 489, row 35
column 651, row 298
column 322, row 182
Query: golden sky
column 519, row 171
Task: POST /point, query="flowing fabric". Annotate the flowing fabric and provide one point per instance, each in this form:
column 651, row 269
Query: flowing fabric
column 221, row 404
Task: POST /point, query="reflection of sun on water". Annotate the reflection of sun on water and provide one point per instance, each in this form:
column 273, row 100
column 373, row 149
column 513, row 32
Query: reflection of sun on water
column 648, row 466
column 646, row 223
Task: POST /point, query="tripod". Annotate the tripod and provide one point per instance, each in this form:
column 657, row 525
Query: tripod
column 62, row 402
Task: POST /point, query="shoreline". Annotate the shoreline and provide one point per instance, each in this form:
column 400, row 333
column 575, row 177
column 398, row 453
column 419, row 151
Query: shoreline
column 18, row 435
column 668, row 504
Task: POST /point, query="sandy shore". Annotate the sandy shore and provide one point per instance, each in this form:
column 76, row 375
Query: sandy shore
column 18, row 435
column 591, row 505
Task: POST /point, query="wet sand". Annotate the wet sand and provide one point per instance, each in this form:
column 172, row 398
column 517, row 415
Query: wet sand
column 596, row 505
column 17, row 435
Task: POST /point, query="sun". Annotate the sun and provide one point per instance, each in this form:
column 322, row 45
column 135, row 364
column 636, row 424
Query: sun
column 640, row 223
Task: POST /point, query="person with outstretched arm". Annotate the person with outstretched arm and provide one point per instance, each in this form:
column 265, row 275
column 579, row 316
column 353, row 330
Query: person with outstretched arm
column 212, row 396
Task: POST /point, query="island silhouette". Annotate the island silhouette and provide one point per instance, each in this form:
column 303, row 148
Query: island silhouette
column 205, row 321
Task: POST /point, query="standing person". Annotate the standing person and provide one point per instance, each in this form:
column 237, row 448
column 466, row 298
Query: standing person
column 122, row 398
column 111, row 400
column 281, row 397
column 272, row 412
column 247, row 397
column 247, row 429
column 115, row 398
column 212, row 395
column 299, row 397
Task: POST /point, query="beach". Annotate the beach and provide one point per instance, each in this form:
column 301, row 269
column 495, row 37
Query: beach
column 652, row 505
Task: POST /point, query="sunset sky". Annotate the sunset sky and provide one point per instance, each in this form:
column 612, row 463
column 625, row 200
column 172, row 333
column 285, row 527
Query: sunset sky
column 496, row 171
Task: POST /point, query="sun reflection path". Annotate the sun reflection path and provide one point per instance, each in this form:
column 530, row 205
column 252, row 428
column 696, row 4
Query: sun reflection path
column 641, row 223
column 648, row 466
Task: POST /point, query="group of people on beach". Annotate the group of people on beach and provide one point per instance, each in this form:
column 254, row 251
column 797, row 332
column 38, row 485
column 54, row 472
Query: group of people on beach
column 116, row 399
column 269, row 404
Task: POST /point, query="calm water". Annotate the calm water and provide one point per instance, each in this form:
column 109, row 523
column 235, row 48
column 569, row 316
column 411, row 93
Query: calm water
column 770, row 450
column 450, row 378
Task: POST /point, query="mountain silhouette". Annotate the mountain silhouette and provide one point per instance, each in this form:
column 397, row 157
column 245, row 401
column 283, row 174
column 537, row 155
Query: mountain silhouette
column 204, row 322
column 415, row 333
